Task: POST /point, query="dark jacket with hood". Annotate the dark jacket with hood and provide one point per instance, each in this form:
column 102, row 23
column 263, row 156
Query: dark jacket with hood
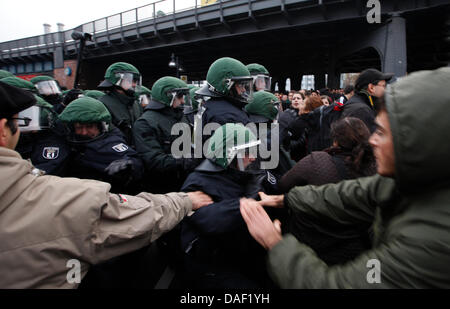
column 124, row 111
column 409, row 214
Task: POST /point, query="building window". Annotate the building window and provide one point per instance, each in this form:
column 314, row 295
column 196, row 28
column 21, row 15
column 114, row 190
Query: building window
column 38, row 67
column 12, row 69
column 29, row 68
column 48, row 66
column 20, row 68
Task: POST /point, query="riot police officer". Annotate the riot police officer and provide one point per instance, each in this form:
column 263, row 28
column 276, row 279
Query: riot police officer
column 100, row 150
column 48, row 89
column 217, row 249
column 121, row 82
column 42, row 141
column 47, row 221
column 265, row 108
column 229, row 86
column 153, row 139
column 261, row 77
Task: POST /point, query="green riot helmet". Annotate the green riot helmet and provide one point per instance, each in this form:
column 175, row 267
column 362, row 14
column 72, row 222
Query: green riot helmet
column 95, row 94
column 46, row 85
column 87, row 119
column 261, row 77
column 124, row 76
column 143, row 96
column 264, row 107
column 228, row 77
column 4, row 74
column 169, row 91
column 19, row 83
column 35, row 118
column 232, row 142
column 38, row 117
column 48, row 88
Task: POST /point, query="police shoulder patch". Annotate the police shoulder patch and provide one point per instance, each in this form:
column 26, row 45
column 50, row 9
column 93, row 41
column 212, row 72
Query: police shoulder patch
column 120, row 147
column 50, row 153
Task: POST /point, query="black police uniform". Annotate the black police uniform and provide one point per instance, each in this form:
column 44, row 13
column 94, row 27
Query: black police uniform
column 221, row 111
column 124, row 110
column 92, row 157
column 47, row 151
column 218, row 251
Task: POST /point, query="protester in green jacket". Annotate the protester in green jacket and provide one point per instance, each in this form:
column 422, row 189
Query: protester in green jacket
column 407, row 203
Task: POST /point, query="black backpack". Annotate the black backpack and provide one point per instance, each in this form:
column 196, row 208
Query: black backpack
column 325, row 116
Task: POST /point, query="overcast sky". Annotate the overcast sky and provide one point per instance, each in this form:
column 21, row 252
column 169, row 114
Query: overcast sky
column 20, row 18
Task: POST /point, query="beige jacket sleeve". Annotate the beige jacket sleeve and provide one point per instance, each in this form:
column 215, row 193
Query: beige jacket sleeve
column 127, row 223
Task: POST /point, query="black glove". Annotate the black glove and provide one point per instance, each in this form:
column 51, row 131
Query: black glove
column 263, row 181
column 119, row 167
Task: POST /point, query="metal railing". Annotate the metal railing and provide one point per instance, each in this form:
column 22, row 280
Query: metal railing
column 150, row 11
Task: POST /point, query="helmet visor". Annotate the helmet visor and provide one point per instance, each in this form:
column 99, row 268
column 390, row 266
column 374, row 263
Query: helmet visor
column 80, row 133
column 180, row 97
column 48, row 87
column 241, row 88
column 34, row 118
column 262, row 82
column 129, row 81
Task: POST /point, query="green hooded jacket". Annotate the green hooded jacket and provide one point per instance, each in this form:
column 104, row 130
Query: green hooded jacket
column 409, row 214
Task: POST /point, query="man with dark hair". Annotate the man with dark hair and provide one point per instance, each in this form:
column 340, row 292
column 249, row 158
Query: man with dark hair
column 349, row 91
column 48, row 223
column 369, row 86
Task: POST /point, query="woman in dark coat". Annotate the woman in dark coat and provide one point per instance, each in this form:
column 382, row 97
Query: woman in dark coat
column 350, row 157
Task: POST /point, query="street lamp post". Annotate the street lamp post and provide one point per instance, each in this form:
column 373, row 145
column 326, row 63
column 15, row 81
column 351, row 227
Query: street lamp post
column 82, row 37
column 174, row 63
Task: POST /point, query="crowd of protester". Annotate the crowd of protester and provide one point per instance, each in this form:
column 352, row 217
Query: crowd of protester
column 361, row 174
